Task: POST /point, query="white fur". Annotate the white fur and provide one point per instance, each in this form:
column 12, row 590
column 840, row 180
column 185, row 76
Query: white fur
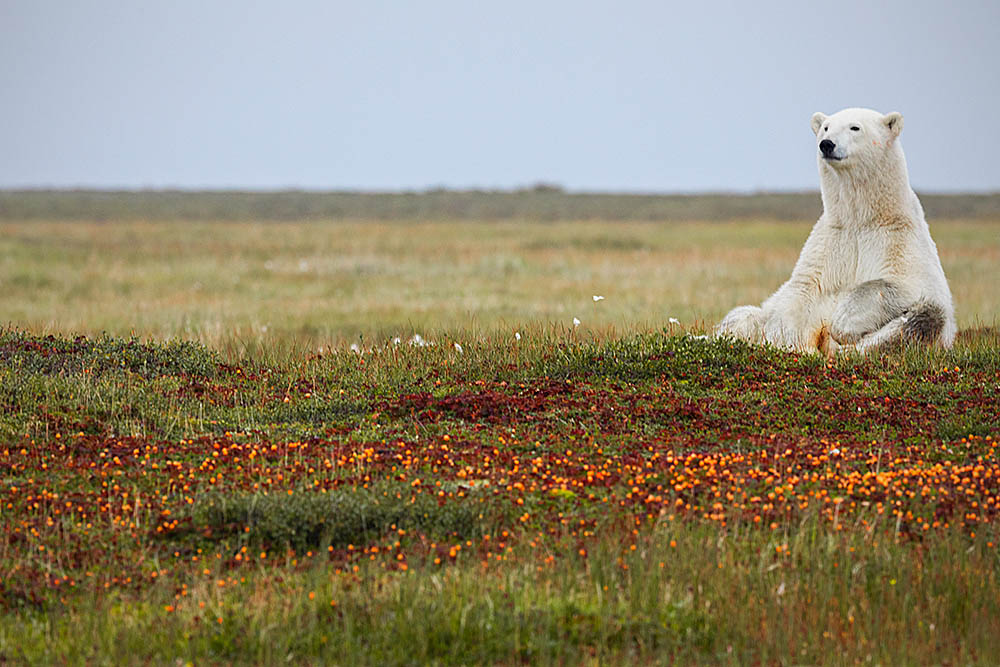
column 872, row 229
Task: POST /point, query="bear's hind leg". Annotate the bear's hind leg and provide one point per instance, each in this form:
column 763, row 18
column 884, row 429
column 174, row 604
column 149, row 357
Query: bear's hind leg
column 865, row 310
column 923, row 323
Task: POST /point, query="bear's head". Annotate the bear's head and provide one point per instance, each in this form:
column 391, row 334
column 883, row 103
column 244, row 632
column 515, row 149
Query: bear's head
column 854, row 137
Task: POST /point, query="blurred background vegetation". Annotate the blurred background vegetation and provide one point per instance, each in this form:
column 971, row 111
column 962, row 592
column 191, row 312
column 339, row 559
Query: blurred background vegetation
column 250, row 270
column 538, row 202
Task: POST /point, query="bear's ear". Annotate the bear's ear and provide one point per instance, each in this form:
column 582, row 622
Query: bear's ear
column 817, row 121
column 893, row 121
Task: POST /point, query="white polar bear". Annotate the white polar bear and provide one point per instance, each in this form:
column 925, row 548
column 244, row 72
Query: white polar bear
column 869, row 273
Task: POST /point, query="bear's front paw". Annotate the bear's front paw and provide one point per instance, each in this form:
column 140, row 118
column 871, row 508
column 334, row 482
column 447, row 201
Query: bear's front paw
column 782, row 331
column 744, row 322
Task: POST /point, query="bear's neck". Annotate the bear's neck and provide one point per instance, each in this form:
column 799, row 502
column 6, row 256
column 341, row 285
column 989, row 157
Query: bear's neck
column 867, row 194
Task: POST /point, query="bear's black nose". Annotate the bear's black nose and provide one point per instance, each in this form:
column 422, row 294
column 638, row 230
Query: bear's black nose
column 826, row 147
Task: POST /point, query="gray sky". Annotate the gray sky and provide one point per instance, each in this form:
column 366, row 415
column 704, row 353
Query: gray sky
column 643, row 96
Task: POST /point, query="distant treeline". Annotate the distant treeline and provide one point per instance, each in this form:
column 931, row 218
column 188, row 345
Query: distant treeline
column 542, row 202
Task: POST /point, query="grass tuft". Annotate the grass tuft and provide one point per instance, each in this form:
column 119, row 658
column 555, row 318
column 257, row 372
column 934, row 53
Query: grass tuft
column 338, row 518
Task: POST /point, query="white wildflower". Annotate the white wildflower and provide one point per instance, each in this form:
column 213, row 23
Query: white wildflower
column 598, row 298
column 576, row 321
column 458, row 348
column 517, row 336
column 419, row 341
column 674, row 320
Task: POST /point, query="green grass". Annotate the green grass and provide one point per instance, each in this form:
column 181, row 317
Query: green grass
column 557, row 499
column 685, row 594
column 304, row 521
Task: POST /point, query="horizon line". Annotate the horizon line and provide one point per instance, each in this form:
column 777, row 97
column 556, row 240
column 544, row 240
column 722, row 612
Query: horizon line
column 536, row 188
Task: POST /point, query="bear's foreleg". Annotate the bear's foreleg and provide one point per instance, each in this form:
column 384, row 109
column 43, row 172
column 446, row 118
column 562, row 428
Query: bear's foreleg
column 744, row 322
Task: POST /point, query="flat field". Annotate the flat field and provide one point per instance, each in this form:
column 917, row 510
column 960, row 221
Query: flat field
column 235, row 485
column 322, row 283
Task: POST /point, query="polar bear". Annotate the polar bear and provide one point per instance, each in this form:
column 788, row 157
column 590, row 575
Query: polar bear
column 869, row 273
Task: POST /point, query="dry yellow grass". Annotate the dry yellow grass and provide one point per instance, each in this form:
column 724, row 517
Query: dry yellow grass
column 321, row 282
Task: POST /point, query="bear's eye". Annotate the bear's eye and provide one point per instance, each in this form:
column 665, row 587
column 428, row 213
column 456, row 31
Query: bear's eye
column 855, row 128
column 826, row 129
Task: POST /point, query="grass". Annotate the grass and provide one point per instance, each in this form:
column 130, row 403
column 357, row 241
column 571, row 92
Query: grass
column 640, row 498
column 303, row 285
column 685, row 595
column 189, row 487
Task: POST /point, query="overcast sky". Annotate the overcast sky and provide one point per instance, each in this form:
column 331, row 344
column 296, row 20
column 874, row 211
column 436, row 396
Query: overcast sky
column 639, row 96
